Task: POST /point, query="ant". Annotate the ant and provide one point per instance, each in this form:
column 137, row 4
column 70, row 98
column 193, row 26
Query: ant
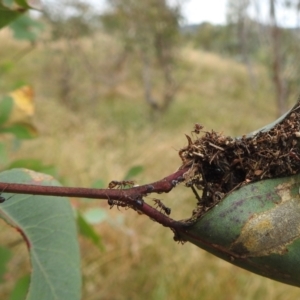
column 120, row 184
column 112, row 203
column 2, row 199
column 197, row 128
column 159, row 204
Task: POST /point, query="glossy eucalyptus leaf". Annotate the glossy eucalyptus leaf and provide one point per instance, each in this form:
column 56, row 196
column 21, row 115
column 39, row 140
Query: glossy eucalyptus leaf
column 257, row 228
column 48, row 227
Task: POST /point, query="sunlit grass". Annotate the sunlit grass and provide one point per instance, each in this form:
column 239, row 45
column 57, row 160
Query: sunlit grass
column 103, row 139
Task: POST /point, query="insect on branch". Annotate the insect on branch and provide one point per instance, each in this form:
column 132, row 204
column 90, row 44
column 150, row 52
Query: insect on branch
column 116, row 194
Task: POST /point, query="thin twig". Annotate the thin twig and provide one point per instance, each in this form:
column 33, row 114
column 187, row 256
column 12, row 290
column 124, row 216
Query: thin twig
column 131, row 196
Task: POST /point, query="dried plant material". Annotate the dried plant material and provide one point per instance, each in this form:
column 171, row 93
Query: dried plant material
column 220, row 164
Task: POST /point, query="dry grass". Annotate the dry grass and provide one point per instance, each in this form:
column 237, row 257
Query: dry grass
column 104, row 139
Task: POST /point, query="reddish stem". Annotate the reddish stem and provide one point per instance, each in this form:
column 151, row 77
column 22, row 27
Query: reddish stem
column 132, row 196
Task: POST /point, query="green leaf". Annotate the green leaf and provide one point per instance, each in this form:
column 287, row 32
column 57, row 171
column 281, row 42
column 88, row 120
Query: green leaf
column 8, row 3
column 21, row 131
column 3, row 154
column 23, row 3
column 7, row 15
column 134, row 171
column 5, row 255
column 25, row 28
column 98, row 184
column 88, row 231
column 95, row 215
column 6, row 106
column 20, row 289
column 33, row 164
column 256, row 227
column 48, row 226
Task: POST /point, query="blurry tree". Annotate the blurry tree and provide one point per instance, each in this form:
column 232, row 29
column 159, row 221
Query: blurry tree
column 253, row 37
column 283, row 52
column 239, row 20
column 270, row 42
column 215, row 38
column 149, row 30
column 75, row 74
column 237, row 15
column 69, row 19
column 277, row 60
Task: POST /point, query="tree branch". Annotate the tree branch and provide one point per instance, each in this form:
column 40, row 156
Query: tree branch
column 132, row 197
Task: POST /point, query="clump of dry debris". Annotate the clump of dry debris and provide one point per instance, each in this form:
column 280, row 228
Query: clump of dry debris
column 220, row 164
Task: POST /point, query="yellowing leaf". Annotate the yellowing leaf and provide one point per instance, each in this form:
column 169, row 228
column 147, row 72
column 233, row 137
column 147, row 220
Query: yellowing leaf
column 23, row 108
column 23, row 98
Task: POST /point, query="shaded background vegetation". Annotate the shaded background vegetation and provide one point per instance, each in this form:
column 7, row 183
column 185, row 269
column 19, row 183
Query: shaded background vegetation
column 120, row 88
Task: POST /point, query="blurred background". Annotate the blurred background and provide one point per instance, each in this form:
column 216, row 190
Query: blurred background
column 116, row 86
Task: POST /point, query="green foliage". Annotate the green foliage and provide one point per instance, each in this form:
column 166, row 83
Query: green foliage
column 150, row 31
column 98, row 184
column 20, row 131
column 222, row 39
column 78, row 24
column 3, row 154
column 133, row 171
column 45, row 264
column 149, row 26
column 33, row 164
column 258, row 223
column 105, row 140
column 6, row 105
column 9, row 14
column 26, row 28
column 12, row 14
column 95, row 215
column 143, row 24
column 20, row 289
column 124, row 135
column 88, row 231
column 5, row 255
column 249, row 40
column 47, row 224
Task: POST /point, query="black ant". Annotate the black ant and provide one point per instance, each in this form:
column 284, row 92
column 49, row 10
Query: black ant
column 159, row 204
column 112, row 203
column 120, row 184
column 2, row 199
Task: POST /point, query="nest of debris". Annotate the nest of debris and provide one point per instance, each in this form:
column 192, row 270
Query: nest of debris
column 220, row 164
